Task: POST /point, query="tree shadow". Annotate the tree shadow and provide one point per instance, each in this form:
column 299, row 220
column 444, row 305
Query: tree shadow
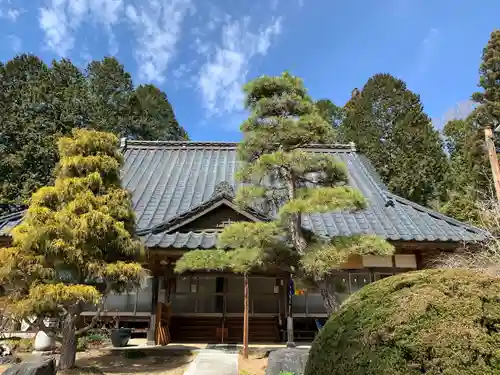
column 142, row 361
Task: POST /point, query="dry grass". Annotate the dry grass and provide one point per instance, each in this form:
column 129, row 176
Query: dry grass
column 103, row 363
column 482, row 256
column 255, row 364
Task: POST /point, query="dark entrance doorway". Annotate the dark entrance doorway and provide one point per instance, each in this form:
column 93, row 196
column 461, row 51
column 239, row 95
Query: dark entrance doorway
column 209, row 309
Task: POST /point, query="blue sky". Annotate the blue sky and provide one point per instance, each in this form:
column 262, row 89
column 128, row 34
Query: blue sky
column 200, row 52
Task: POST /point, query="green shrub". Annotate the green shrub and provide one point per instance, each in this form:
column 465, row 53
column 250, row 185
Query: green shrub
column 96, row 337
column 20, row 345
column 431, row 321
column 81, row 344
column 90, row 341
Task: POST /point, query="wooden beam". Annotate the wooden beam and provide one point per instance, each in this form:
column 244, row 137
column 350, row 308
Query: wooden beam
column 492, row 154
column 245, row 315
column 5, row 241
column 290, row 343
column 152, row 322
column 416, row 246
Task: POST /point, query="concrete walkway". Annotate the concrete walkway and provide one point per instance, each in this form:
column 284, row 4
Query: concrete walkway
column 214, row 361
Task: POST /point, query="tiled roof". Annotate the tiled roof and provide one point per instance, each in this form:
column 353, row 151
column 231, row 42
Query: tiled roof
column 169, row 179
column 191, row 240
column 9, row 221
column 215, row 200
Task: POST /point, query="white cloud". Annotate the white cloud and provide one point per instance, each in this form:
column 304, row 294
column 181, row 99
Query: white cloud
column 184, row 76
column 8, row 11
column 58, row 35
column 428, row 48
column 60, row 19
column 158, row 29
column 225, row 71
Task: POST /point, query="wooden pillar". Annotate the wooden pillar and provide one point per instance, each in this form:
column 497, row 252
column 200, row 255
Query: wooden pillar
column 492, row 154
column 290, row 342
column 154, row 302
column 245, row 315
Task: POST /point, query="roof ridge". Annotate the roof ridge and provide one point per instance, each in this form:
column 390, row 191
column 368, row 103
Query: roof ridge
column 379, row 189
column 141, row 143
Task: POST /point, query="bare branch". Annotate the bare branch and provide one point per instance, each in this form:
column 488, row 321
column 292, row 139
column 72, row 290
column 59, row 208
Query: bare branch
column 97, row 315
column 481, row 256
column 40, row 324
column 92, row 324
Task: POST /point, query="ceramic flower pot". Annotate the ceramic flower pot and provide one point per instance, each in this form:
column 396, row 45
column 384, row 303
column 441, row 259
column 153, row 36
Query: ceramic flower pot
column 120, row 337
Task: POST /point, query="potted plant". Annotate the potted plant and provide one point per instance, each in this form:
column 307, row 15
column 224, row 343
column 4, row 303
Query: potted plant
column 120, row 336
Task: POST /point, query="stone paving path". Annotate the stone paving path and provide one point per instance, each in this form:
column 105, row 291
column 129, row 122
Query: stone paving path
column 214, row 360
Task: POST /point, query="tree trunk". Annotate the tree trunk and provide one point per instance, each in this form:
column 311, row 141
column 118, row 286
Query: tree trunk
column 294, row 226
column 330, row 297
column 295, row 220
column 68, row 345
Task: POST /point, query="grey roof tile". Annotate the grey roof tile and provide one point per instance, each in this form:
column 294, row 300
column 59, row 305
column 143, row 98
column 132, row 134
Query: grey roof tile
column 168, row 179
column 191, row 240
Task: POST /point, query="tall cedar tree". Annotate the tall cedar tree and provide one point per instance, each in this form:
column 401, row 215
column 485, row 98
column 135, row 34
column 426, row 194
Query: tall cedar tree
column 330, row 112
column 28, row 127
column 489, row 81
column 469, row 177
column 76, row 242
column 468, row 180
column 40, row 104
column 387, row 123
column 280, row 174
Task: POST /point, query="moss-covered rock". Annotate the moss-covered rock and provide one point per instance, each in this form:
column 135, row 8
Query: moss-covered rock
column 424, row 322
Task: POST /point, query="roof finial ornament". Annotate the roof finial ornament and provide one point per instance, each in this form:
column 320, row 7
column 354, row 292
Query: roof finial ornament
column 389, row 202
column 223, row 188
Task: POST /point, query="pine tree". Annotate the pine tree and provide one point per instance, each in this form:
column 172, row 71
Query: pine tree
column 292, row 182
column 489, row 111
column 76, row 242
column 387, row 123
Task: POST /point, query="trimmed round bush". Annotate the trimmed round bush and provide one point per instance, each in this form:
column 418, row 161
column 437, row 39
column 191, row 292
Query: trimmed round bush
column 423, row 322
